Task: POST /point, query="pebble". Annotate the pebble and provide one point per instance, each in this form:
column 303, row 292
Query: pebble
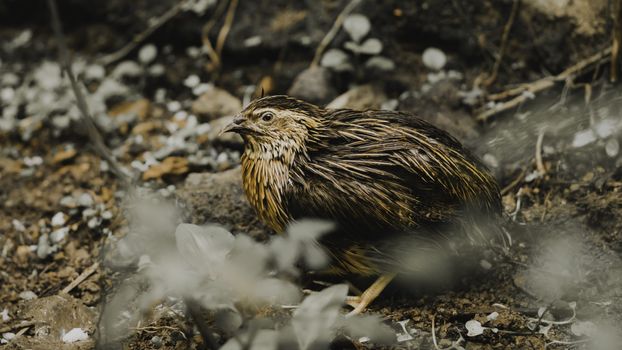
column 192, row 81
column 5, row 315
column 314, row 85
column 156, row 341
column 434, row 58
column 18, row 225
column 43, row 247
column 28, row 295
column 215, row 103
column 59, row 219
column 58, row 235
column 147, row 53
column 85, row 200
column 75, row 335
column 612, row 148
column 33, row 161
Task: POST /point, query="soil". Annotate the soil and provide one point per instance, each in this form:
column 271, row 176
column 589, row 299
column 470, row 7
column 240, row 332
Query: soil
column 62, row 207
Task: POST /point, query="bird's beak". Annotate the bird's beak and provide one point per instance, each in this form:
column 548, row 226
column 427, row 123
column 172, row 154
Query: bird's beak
column 237, row 125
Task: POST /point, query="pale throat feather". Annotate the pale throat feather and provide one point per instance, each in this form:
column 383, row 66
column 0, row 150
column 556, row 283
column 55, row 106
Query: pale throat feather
column 265, row 174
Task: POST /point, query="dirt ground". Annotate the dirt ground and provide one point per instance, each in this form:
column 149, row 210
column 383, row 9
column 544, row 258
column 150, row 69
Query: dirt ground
column 556, row 157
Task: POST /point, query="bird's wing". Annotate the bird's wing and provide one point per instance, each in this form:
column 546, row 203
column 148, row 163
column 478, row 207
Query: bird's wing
column 389, row 170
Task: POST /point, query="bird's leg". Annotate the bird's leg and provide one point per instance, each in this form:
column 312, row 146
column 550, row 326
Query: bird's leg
column 369, row 295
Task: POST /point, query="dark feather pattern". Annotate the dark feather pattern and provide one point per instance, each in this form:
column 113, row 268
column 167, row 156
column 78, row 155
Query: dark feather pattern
column 380, row 175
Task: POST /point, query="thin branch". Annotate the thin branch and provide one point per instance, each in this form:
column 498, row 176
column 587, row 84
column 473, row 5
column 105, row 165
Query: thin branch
column 155, row 25
column 91, row 129
column 24, row 324
column 207, row 44
column 616, row 40
column 504, row 43
column 83, row 276
column 539, row 163
column 226, row 27
column 527, row 91
column 330, row 35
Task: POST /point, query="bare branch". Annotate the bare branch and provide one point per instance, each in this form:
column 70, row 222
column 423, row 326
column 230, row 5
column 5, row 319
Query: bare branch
column 91, row 129
column 157, row 23
column 330, row 35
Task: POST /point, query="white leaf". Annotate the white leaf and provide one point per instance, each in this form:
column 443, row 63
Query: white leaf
column 357, row 26
column 205, row 246
column 314, row 320
column 371, row 46
column 474, row 328
column 335, row 59
column 381, row 63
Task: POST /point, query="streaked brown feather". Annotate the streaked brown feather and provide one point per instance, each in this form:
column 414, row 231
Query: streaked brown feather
column 377, row 174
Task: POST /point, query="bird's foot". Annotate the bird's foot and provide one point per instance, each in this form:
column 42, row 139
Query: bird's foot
column 360, row 303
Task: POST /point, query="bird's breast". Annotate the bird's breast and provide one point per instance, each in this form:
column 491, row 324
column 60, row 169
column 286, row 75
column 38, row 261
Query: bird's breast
column 265, row 180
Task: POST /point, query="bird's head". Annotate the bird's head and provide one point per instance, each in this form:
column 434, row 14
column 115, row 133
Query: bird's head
column 274, row 125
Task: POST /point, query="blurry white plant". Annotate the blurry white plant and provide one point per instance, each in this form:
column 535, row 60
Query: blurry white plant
column 208, row 265
column 357, row 26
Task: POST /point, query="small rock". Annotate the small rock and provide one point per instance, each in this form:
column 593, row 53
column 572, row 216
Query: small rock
column 55, row 315
column 192, row 81
column 44, row 249
column 59, row 219
column 5, row 315
column 314, row 85
column 147, row 53
column 75, row 335
column 85, row 200
column 18, row 226
column 28, row 295
column 216, row 103
column 156, row 342
column 360, row 98
column 59, row 234
column 229, row 138
column 612, row 148
column 434, row 58
column 219, row 198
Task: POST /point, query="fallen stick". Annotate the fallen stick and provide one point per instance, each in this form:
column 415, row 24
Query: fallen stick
column 330, row 35
column 87, row 119
column 527, row 91
column 84, row 275
column 157, row 23
column 504, row 43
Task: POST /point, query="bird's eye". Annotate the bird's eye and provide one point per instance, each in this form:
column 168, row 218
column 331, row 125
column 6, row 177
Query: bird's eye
column 267, row 116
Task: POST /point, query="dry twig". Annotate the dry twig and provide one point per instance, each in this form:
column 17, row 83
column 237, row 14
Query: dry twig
column 526, row 91
column 83, row 276
column 330, row 35
column 504, row 43
column 616, row 40
column 156, row 24
column 215, row 53
column 539, row 163
column 21, row 325
column 514, row 182
column 91, row 129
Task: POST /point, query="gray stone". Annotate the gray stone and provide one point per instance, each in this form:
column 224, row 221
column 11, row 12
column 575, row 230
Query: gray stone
column 219, row 198
column 229, row 138
column 215, row 103
column 313, row 85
